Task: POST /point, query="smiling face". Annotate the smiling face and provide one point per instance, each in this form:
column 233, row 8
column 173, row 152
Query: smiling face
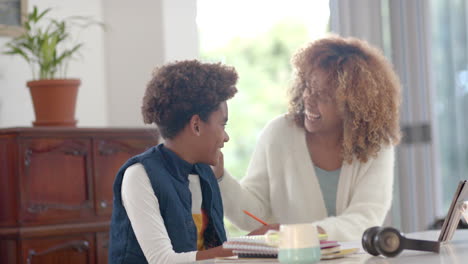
column 320, row 110
column 213, row 135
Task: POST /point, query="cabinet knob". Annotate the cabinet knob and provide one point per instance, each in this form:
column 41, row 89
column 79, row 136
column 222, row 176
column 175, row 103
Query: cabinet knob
column 27, row 157
column 103, row 204
column 75, row 152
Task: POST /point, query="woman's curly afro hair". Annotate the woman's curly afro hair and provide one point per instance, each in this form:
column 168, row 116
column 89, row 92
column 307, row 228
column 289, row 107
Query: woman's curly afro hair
column 364, row 86
column 179, row 90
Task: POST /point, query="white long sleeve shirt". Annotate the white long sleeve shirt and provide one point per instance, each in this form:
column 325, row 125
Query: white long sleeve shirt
column 281, row 186
column 142, row 208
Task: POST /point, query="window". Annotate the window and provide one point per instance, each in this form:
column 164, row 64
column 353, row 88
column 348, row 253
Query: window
column 449, row 41
column 258, row 38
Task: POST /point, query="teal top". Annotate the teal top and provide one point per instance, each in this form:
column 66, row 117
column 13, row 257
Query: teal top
column 328, row 181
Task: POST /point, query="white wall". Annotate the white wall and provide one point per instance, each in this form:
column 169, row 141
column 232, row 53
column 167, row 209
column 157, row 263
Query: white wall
column 141, row 37
column 15, row 102
column 134, row 46
column 180, row 30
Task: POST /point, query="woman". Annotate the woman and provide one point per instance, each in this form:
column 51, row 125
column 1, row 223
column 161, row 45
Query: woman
column 330, row 159
column 167, row 203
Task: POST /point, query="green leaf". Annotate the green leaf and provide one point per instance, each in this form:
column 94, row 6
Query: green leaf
column 43, row 14
column 47, row 44
column 18, row 51
column 32, row 16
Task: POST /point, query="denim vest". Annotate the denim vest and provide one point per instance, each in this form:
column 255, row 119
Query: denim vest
column 168, row 175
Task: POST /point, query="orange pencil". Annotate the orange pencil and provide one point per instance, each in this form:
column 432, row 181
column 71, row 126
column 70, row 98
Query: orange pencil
column 254, row 217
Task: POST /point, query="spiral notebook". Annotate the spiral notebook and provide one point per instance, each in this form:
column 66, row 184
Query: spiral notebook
column 257, row 247
column 251, row 247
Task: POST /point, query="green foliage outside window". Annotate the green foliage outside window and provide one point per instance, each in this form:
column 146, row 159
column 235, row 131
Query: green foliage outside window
column 263, row 65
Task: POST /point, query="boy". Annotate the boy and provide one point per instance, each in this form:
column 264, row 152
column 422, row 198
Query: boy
column 167, row 203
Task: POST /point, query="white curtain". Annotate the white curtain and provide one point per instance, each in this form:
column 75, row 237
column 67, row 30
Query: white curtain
column 401, row 29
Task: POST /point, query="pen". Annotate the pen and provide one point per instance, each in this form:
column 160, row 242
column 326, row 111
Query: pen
column 254, row 217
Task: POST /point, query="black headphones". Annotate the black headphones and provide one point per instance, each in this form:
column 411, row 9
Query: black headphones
column 389, row 242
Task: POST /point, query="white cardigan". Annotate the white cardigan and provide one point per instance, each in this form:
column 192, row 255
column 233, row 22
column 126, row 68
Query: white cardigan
column 281, row 186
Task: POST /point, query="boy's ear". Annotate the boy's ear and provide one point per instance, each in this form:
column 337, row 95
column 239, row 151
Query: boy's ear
column 195, row 124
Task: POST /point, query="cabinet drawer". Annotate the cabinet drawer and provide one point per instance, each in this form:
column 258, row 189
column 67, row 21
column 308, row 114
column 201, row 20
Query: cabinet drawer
column 71, row 250
column 102, row 247
column 55, row 180
column 109, row 156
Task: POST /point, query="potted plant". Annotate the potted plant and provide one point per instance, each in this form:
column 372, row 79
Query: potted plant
column 46, row 46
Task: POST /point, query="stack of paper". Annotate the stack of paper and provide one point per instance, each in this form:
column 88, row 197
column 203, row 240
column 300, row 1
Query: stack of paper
column 257, row 247
column 251, row 246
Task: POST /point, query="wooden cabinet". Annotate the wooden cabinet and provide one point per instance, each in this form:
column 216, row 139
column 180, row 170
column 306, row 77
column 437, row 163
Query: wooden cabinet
column 54, row 180
column 70, row 249
column 109, row 155
column 56, row 191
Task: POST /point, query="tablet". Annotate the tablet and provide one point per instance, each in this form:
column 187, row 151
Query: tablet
column 458, row 208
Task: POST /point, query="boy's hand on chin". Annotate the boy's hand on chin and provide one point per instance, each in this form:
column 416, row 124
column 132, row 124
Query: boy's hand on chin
column 218, row 170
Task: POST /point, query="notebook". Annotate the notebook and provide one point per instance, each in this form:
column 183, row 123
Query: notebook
column 257, row 247
column 251, row 247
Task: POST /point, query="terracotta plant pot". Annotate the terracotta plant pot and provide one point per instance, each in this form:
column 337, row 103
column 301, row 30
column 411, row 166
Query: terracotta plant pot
column 54, row 101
